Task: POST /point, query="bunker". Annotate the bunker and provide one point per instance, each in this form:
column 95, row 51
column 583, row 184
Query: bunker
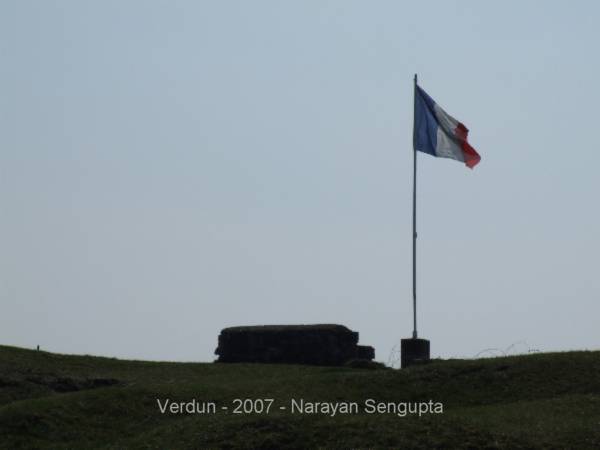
column 323, row 345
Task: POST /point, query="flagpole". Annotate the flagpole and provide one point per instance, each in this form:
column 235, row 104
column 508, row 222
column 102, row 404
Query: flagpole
column 414, row 334
column 415, row 350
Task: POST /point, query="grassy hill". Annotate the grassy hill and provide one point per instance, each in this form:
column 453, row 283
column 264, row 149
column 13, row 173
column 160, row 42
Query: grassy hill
column 61, row 401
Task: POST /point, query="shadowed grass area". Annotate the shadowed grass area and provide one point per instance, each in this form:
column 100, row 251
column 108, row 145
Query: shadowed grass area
column 61, row 401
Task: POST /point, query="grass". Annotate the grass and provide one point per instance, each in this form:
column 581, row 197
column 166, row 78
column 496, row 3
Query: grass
column 47, row 400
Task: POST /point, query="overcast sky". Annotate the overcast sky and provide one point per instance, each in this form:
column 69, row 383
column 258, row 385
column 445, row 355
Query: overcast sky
column 171, row 168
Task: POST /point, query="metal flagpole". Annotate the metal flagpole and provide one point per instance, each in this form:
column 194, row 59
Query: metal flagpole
column 414, row 334
column 415, row 350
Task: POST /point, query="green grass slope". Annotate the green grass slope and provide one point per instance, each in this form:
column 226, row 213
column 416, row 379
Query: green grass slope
column 59, row 401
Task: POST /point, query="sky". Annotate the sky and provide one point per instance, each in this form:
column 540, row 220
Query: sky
column 171, row 168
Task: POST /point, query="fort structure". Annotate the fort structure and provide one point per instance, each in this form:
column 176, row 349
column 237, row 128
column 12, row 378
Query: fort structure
column 324, row 345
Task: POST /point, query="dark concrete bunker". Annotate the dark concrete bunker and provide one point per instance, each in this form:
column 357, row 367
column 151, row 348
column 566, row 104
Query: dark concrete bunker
column 324, row 345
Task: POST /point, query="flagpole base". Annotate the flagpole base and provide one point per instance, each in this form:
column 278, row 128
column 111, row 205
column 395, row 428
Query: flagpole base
column 413, row 351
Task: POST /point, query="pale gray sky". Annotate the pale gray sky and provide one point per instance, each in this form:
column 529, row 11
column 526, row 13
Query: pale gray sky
column 168, row 169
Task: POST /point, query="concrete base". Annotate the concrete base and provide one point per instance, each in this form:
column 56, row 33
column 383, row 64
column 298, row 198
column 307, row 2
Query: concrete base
column 413, row 351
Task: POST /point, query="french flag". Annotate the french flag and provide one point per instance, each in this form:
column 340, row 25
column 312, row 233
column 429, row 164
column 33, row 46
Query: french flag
column 438, row 133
